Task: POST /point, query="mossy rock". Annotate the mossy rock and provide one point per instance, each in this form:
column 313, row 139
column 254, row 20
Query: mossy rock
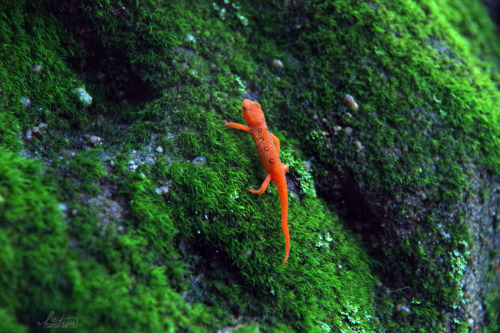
column 124, row 201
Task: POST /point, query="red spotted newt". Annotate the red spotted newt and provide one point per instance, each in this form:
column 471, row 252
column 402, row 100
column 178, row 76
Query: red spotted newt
column 268, row 146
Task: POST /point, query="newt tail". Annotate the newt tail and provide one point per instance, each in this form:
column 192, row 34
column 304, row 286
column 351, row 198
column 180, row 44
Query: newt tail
column 283, row 192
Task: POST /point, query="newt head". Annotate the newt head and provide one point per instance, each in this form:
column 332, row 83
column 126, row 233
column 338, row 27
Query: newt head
column 252, row 112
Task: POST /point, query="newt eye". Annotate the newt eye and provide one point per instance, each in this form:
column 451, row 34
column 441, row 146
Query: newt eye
column 243, row 107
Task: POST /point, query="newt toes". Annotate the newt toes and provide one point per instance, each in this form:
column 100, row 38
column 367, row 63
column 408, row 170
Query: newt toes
column 268, row 147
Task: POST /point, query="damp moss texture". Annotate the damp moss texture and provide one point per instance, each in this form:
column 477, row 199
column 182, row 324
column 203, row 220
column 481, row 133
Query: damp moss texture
column 124, row 202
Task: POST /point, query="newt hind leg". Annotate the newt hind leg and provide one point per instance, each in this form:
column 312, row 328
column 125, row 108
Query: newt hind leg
column 263, row 187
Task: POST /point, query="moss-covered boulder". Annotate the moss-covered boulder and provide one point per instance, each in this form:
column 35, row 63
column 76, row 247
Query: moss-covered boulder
column 124, row 202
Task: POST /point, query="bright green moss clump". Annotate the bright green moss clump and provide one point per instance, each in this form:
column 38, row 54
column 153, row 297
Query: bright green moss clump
column 43, row 273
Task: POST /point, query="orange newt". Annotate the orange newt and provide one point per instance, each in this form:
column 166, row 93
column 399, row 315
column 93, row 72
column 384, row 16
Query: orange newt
column 268, row 146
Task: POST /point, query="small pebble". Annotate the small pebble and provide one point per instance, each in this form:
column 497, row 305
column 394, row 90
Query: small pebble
column 37, row 68
column 163, row 190
column 37, row 131
column 277, row 63
column 25, row 101
column 200, row 161
column 349, row 101
column 358, row 145
column 402, row 308
column 95, row 140
column 83, row 96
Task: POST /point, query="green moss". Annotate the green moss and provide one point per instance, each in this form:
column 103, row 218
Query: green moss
column 228, row 223
column 207, row 250
column 10, row 323
column 421, row 122
column 43, row 273
column 35, row 241
column 493, row 308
